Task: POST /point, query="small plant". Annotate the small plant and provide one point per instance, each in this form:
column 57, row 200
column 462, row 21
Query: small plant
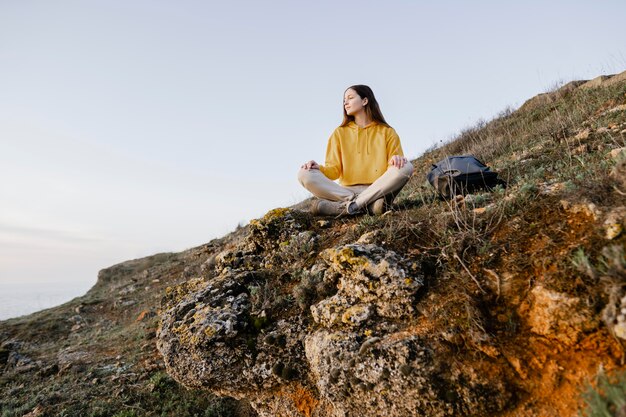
column 310, row 288
column 607, row 398
column 570, row 186
column 539, row 173
column 528, row 189
column 611, row 264
column 582, row 264
column 223, row 408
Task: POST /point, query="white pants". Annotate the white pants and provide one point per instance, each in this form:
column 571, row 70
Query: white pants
column 387, row 185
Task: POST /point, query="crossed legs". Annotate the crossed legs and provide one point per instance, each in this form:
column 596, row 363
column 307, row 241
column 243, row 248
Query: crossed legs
column 358, row 197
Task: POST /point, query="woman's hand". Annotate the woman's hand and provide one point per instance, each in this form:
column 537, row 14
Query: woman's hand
column 398, row 161
column 310, row 165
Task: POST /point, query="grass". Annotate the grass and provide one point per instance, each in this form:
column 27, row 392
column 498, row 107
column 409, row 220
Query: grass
column 606, row 397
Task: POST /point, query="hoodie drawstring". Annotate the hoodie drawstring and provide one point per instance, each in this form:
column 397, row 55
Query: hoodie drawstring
column 358, row 135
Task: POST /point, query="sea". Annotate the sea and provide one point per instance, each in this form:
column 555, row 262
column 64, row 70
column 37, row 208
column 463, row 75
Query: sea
column 19, row 299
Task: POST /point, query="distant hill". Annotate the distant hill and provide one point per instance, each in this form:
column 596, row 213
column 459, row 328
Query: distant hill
column 503, row 303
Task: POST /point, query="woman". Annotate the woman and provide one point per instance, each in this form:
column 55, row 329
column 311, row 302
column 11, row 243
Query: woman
column 364, row 153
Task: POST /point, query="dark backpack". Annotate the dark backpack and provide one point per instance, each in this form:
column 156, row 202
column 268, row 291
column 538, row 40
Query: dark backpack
column 464, row 174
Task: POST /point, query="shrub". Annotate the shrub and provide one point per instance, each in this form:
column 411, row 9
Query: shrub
column 607, row 398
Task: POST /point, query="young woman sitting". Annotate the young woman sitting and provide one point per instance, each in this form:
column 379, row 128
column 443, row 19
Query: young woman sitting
column 365, row 155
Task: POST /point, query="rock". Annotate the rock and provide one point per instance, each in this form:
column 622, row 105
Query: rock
column 16, row 360
column 36, row 412
column 617, row 153
column 12, row 359
column 596, row 82
column 217, row 315
column 49, row 370
column 559, row 316
column 228, row 259
column 615, row 318
column 582, row 149
column 550, row 97
column 71, row 360
column 208, row 265
column 372, row 384
column 583, row 135
column 551, row 188
column 323, row 224
column 588, row 209
column 298, row 246
column 517, row 365
column 277, row 226
column 357, row 314
column 614, row 223
column 371, row 281
column 210, row 338
column 121, row 303
column 618, row 174
column 349, row 357
column 392, row 375
column 621, row 107
column 189, row 272
column 613, row 230
column 145, row 314
column 129, row 289
column 620, row 329
column 369, row 237
column 282, row 234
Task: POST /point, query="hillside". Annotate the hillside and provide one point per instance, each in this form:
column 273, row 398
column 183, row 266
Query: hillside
column 497, row 304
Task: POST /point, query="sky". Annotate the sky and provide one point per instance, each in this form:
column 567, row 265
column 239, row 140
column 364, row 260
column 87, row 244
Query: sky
column 132, row 127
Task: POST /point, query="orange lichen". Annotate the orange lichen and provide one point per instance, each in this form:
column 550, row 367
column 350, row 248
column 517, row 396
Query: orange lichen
column 304, row 401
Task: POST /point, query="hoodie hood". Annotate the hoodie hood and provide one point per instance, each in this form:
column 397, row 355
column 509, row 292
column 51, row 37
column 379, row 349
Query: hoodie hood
column 353, row 125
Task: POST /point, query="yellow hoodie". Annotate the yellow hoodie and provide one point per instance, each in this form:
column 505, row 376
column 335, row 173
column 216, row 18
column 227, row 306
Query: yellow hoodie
column 359, row 155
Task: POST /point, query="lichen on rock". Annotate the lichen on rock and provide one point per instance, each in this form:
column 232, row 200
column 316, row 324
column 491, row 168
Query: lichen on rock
column 276, row 227
column 559, row 316
column 204, row 335
column 350, row 358
column 372, row 281
column 392, row 378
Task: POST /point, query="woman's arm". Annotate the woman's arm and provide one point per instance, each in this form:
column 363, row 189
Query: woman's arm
column 332, row 166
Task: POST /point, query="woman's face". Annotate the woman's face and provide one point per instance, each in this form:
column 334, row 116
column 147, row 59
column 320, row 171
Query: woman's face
column 352, row 103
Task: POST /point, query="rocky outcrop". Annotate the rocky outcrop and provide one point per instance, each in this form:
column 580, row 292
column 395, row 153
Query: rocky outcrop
column 563, row 91
column 353, row 351
column 491, row 304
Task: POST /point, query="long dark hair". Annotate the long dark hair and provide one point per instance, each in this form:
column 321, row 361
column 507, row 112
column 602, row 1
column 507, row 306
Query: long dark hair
column 371, row 108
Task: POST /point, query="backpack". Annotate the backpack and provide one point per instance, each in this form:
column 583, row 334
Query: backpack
column 463, row 174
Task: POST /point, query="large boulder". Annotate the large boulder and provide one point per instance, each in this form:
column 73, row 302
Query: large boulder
column 356, row 353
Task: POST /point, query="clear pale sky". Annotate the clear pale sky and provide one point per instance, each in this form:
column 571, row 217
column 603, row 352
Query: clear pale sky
column 129, row 128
